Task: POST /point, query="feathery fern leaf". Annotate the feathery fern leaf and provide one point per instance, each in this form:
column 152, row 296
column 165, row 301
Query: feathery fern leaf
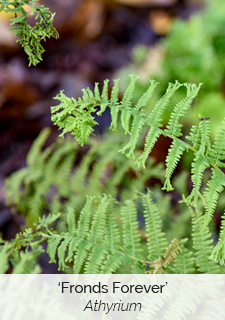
column 202, row 243
column 199, row 164
column 156, row 241
column 195, row 137
column 25, row 263
column 30, row 37
column 52, row 183
column 4, row 257
column 214, row 187
column 174, row 127
column 131, row 236
column 133, row 121
column 218, row 253
column 184, row 262
column 172, row 159
column 217, row 152
column 204, row 127
column 150, row 141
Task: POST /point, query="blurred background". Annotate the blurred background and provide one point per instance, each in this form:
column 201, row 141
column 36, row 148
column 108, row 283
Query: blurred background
column 161, row 39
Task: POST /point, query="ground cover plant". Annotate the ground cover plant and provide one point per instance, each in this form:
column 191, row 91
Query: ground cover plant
column 30, row 37
column 104, row 234
column 101, row 214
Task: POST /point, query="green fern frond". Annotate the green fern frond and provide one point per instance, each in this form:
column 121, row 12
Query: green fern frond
column 26, row 262
column 195, row 137
column 52, row 247
column 217, row 152
column 131, row 236
column 205, row 131
column 203, row 244
column 156, row 241
column 105, row 96
column 113, row 262
column 214, row 187
column 92, row 245
column 51, row 182
column 174, row 127
column 126, row 104
column 98, row 224
column 137, row 125
column 30, row 37
column 4, row 257
column 184, row 261
column 150, row 141
column 145, row 98
column 172, row 159
column 112, row 235
column 62, row 251
column 218, row 253
column 155, row 117
column 134, row 120
column 83, row 224
column 37, row 146
column 199, row 164
column 115, row 93
column 96, row 259
column 81, row 255
column 95, row 245
column 71, row 222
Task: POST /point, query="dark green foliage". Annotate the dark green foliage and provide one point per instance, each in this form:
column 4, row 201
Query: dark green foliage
column 30, row 37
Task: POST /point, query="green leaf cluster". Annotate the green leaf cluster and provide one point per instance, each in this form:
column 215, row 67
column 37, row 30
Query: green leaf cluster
column 100, row 234
column 30, row 37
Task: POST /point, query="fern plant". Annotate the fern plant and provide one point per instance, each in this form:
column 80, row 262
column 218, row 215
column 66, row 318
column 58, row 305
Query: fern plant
column 30, row 37
column 50, row 182
column 77, row 117
column 95, row 243
column 104, row 236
